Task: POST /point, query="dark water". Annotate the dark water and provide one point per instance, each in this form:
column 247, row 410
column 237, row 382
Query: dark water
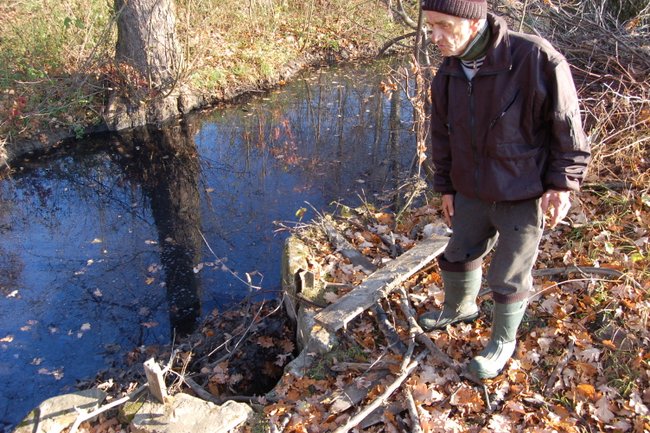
column 112, row 245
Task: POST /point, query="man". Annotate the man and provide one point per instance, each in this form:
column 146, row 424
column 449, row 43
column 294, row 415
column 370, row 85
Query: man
column 507, row 147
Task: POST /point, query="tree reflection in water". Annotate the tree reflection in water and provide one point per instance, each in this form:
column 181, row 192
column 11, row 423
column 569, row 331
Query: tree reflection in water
column 165, row 164
column 85, row 230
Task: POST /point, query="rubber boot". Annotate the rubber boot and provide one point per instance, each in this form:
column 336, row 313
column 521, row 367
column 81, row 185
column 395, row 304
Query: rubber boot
column 505, row 322
column 461, row 290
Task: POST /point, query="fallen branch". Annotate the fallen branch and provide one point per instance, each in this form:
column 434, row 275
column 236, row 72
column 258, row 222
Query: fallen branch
column 585, row 270
column 348, row 250
column 361, row 415
column 423, row 338
column 200, row 391
column 416, row 426
column 395, row 343
column 362, row 366
column 558, row 369
column 83, row 417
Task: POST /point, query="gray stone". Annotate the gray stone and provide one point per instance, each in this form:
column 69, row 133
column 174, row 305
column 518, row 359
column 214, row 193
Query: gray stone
column 184, row 413
column 58, row 413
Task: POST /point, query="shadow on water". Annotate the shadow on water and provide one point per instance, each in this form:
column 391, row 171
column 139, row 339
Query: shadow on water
column 127, row 240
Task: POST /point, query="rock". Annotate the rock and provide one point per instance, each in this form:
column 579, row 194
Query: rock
column 58, row 413
column 183, row 413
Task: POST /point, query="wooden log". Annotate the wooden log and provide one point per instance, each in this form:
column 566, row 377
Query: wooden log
column 380, row 283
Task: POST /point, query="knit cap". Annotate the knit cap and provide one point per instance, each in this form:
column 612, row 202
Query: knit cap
column 472, row 9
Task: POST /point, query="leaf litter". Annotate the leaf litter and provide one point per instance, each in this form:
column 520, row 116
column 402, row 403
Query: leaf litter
column 581, row 364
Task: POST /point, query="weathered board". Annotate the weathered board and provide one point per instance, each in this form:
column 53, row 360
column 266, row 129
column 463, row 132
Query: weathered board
column 380, row 283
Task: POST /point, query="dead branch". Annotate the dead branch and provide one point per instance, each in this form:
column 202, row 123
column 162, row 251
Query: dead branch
column 362, row 414
column 423, row 338
column 347, row 249
column 83, row 417
column 395, row 343
column 362, row 366
column 200, row 391
column 416, row 426
column 558, row 369
column 584, row 270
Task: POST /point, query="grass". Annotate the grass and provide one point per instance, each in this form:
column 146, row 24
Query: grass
column 55, row 57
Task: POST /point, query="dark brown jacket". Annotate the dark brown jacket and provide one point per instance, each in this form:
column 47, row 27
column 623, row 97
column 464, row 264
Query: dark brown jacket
column 512, row 132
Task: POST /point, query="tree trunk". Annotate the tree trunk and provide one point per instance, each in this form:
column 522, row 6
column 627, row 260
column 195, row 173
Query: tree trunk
column 147, row 87
column 146, row 40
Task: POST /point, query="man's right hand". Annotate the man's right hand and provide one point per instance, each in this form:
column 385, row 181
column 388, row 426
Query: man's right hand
column 448, row 207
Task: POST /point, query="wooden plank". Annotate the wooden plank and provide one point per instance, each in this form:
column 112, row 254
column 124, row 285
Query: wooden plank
column 155, row 380
column 381, row 283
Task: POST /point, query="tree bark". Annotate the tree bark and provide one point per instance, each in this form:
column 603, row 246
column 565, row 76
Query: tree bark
column 147, row 87
column 146, row 40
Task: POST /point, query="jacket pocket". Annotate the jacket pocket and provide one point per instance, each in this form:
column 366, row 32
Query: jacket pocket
column 513, row 151
column 509, row 103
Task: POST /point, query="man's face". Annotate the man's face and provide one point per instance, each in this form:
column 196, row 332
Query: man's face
column 449, row 33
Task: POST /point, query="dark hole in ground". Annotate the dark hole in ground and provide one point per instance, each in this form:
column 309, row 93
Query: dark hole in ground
column 243, row 351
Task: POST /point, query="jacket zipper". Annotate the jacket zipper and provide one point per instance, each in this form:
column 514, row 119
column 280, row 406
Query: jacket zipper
column 505, row 110
column 472, row 125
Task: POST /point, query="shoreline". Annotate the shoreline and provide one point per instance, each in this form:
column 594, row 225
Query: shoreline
column 14, row 151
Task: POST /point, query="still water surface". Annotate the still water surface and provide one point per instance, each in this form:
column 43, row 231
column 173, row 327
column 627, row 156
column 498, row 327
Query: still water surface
column 119, row 241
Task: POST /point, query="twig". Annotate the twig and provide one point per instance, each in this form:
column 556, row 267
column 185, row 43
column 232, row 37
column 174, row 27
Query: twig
column 88, row 416
column 558, row 369
column 361, row 415
column 575, row 280
column 394, row 342
column 200, row 391
column 416, row 426
column 395, row 40
column 423, row 338
column 362, row 366
column 581, row 269
column 250, row 325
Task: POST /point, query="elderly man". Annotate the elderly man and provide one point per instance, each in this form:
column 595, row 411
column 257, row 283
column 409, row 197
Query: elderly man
column 508, row 148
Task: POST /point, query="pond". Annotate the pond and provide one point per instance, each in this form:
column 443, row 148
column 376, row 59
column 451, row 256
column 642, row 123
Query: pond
column 123, row 241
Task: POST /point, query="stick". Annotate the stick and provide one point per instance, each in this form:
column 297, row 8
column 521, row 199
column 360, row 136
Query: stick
column 361, row 366
column 360, row 416
column 394, row 342
column 88, row 416
column 558, row 369
column 416, row 426
column 423, row 338
column 580, row 269
column 200, row 391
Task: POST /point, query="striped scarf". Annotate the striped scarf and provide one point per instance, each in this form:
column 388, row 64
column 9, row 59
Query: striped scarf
column 474, row 54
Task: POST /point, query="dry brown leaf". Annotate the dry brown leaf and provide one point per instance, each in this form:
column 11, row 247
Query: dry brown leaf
column 265, row 341
column 467, row 399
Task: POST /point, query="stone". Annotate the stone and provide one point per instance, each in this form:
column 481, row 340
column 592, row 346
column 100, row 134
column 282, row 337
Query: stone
column 59, row 413
column 184, row 413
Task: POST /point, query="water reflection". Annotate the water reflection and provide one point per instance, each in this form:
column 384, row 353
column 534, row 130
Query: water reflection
column 165, row 164
column 125, row 239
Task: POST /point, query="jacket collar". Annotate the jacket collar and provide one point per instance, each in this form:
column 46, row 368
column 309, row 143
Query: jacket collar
column 498, row 57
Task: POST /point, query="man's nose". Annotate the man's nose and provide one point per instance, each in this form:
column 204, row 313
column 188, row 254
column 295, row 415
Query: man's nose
column 435, row 35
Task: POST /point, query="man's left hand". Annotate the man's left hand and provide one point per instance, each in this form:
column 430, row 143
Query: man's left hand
column 557, row 204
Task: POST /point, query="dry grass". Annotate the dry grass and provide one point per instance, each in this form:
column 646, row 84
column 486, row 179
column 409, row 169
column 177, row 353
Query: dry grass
column 55, row 57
